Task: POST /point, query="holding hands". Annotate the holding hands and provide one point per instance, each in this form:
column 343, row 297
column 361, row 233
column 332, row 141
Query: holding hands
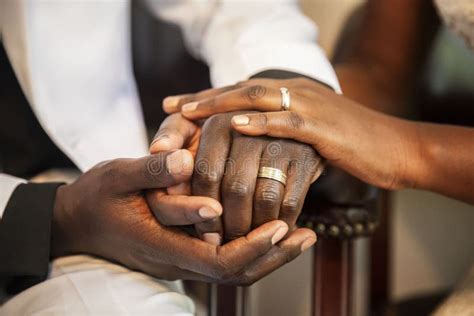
column 382, row 150
column 241, row 178
column 227, row 169
column 367, row 144
column 105, row 213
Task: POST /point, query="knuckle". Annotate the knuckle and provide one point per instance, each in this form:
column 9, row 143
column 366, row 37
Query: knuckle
column 205, row 182
column 262, row 119
column 208, row 178
column 255, row 92
column 294, row 120
column 268, row 196
column 290, row 205
column 112, row 171
column 236, row 187
column 210, row 104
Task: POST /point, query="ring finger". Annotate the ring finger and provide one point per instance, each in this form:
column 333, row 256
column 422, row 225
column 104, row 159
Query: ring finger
column 269, row 191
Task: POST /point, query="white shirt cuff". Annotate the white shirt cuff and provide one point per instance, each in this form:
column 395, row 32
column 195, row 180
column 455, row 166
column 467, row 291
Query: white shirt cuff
column 304, row 58
column 8, row 184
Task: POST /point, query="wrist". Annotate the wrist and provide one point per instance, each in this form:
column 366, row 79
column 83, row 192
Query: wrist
column 415, row 173
column 60, row 229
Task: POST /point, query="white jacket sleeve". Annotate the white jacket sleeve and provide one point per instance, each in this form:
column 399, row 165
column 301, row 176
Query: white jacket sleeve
column 238, row 39
column 8, row 184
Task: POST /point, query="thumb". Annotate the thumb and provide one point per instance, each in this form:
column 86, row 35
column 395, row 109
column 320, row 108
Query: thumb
column 154, row 171
column 174, row 132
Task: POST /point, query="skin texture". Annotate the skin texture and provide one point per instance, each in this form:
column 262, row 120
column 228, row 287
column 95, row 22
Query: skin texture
column 106, row 213
column 379, row 149
column 226, row 170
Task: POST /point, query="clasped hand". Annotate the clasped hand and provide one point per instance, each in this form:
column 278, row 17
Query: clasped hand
column 131, row 210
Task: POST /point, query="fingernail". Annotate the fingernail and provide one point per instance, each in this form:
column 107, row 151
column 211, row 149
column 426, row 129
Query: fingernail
column 279, row 234
column 207, row 212
column 175, row 162
column 189, row 107
column 240, row 120
column 308, row 243
column 212, row 238
column 170, row 103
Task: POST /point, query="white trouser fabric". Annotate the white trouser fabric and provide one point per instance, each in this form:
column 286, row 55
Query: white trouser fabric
column 83, row 285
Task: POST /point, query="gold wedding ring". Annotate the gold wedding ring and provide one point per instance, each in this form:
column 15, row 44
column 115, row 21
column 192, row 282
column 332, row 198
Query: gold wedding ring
column 285, row 99
column 272, row 173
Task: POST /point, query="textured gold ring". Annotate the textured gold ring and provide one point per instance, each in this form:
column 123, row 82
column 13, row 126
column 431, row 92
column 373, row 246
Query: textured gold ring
column 272, row 173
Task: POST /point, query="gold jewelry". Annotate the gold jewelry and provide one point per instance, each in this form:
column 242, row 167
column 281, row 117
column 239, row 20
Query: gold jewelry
column 272, row 173
column 285, row 99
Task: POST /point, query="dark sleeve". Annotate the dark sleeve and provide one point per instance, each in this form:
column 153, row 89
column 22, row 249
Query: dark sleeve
column 283, row 74
column 25, row 236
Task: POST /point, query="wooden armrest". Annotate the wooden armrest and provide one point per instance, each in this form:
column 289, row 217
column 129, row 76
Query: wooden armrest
column 340, row 206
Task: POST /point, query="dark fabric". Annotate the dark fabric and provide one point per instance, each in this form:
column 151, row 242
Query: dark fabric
column 25, row 235
column 25, row 149
column 283, row 74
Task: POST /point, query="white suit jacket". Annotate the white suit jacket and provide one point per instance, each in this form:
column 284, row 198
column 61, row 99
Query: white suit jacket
column 73, row 61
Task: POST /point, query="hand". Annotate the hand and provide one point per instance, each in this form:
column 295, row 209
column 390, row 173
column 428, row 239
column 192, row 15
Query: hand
column 226, row 169
column 369, row 145
column 105, row 213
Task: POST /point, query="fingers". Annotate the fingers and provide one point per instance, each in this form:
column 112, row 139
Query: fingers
column 256, row 97
column 219, row 262
column 277, row 124
column 151, row 172
column 244, row 250
column 269, row 192
column 282, row 253
column 174, row 133
column 209, row 170
column 211, row 158
column 302, row 170
column 241, row 261
column 238, row 185
column 181, row 209
column 173, row 104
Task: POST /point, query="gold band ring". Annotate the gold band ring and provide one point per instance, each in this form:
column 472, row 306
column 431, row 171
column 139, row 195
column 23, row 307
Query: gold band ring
column 272, row 173
column 285, row 99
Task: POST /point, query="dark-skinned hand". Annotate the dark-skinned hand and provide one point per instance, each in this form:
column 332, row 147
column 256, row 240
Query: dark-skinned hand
column 226, row 168
column 106, row 213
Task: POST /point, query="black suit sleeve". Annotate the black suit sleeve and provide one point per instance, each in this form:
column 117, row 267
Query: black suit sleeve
column 283, row 74
column 25, row 236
